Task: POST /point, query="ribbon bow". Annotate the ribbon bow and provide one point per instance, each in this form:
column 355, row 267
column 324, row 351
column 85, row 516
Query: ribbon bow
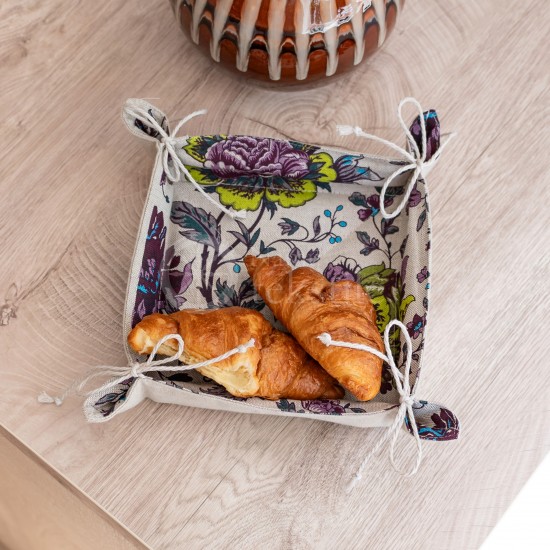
column 406, row 396
column 166, row 145
column 138, row 370
column 417, row 163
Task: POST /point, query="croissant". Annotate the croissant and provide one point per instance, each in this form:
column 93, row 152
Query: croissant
column 275, row 367
column 308, row 305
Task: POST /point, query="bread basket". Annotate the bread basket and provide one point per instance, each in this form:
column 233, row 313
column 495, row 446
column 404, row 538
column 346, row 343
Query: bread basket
column 214, row 199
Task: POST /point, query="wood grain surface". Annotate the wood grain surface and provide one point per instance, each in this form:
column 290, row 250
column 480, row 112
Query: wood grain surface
column 73, row 185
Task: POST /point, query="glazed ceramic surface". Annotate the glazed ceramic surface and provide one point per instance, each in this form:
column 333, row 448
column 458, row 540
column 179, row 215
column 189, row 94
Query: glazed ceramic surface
column 288, row 40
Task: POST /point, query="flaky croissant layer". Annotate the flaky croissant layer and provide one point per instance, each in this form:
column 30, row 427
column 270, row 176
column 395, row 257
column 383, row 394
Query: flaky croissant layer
column 308, row 305
column 275, row 367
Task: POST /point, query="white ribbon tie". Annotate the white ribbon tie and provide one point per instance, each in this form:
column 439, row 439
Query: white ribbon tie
column 166, row 145
column 406, row 397
column 417, row 163
column 138, row 370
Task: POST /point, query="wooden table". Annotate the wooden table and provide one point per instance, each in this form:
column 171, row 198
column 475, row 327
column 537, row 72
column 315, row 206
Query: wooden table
column 74, row 183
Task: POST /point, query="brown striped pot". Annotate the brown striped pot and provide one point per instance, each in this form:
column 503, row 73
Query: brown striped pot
column 288, row 40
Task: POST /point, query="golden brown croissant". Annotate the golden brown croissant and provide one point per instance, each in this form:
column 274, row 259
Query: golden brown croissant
column 308, row 305
column 275, row 367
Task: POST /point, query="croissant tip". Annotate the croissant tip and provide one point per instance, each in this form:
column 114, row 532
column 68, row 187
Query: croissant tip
column 137, row 339
column 363, row 392
column 143, row 337
column 250, row 262
column 333, row 392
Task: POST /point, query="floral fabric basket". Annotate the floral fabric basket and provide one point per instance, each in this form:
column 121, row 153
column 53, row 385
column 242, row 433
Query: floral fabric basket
column 214, row 199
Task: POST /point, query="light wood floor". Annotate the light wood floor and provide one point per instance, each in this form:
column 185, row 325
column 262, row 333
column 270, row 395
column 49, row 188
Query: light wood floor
column 73, row 184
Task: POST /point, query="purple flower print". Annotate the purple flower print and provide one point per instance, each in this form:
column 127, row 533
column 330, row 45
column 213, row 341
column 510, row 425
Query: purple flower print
column 447, row 425
column 434, row 422
column 322, row 406
column 433, row 136
column 148, row 276
column 416, row 326
column 372, row 204
column 288, row 227
column 174, row 282
column 244, row 155
column 370, row 244
column 415, row 197
column 344, row 270
column 312, row 256
column 148, row 290
column 423, row 275
column 348, row 170
column 295, row 255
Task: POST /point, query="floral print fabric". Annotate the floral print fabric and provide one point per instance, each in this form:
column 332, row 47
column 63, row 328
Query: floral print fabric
column 248, row 173
column 311, row 205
